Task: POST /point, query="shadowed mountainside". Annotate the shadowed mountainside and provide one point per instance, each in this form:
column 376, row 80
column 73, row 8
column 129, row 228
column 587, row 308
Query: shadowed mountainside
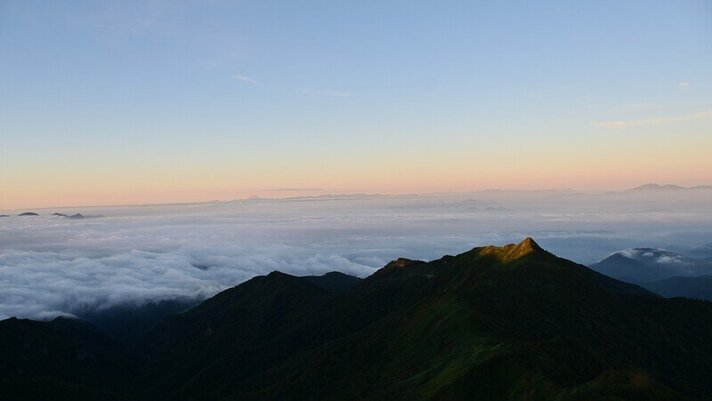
column 698, row 287
column 512, row 322
column 64, row 359
column 495, row 323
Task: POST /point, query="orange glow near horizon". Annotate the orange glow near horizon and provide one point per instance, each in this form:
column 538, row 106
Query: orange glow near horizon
column 155, row 187
column 596, row 161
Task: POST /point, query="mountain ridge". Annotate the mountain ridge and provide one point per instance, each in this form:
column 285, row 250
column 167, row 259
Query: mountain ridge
column 642, row 265
column 666, row 187
column 499, row 323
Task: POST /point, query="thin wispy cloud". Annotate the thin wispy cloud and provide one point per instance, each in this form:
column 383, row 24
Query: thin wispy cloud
column 683, row 85
column 651, row 122
column 247, row 79
column 323, row 93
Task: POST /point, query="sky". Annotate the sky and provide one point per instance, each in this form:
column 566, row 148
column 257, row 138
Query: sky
column 131, row 102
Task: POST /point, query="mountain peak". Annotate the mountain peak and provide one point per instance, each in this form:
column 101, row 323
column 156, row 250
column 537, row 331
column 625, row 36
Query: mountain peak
column 526, row 247
column 528, row 244
column 512, row 252
column 403, row 262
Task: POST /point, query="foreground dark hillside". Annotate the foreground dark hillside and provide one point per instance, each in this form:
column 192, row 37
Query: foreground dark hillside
column 699, row 287
column 494, row 323
column 64, row 359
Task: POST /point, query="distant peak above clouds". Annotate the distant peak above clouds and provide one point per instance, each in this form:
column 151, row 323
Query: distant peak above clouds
column 666, row 187
column 654, row 255
column 641, row 265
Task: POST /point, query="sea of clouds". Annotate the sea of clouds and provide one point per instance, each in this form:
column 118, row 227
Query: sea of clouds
column 124, row 256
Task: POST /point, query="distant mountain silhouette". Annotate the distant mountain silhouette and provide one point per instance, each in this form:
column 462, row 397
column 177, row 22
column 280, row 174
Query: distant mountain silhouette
column 699, row 287
column 665, row 273
column 701, row 252
column 72, row 216
column 334, row 281
column 666, row 187
column 493, row 323
column 28, row 214
column 643, row 265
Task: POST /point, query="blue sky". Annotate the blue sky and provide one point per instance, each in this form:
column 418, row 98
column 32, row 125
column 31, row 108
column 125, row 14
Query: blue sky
column 140, row 101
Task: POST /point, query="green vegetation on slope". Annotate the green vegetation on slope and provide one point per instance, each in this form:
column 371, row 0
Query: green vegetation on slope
column 493, row 323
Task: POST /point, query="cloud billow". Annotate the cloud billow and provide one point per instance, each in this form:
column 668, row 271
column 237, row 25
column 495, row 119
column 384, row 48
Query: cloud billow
column 135, row 255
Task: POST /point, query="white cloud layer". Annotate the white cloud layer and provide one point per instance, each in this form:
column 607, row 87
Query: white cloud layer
column 132, row 255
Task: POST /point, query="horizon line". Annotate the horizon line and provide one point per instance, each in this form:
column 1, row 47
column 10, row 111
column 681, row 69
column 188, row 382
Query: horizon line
column 255, row 197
